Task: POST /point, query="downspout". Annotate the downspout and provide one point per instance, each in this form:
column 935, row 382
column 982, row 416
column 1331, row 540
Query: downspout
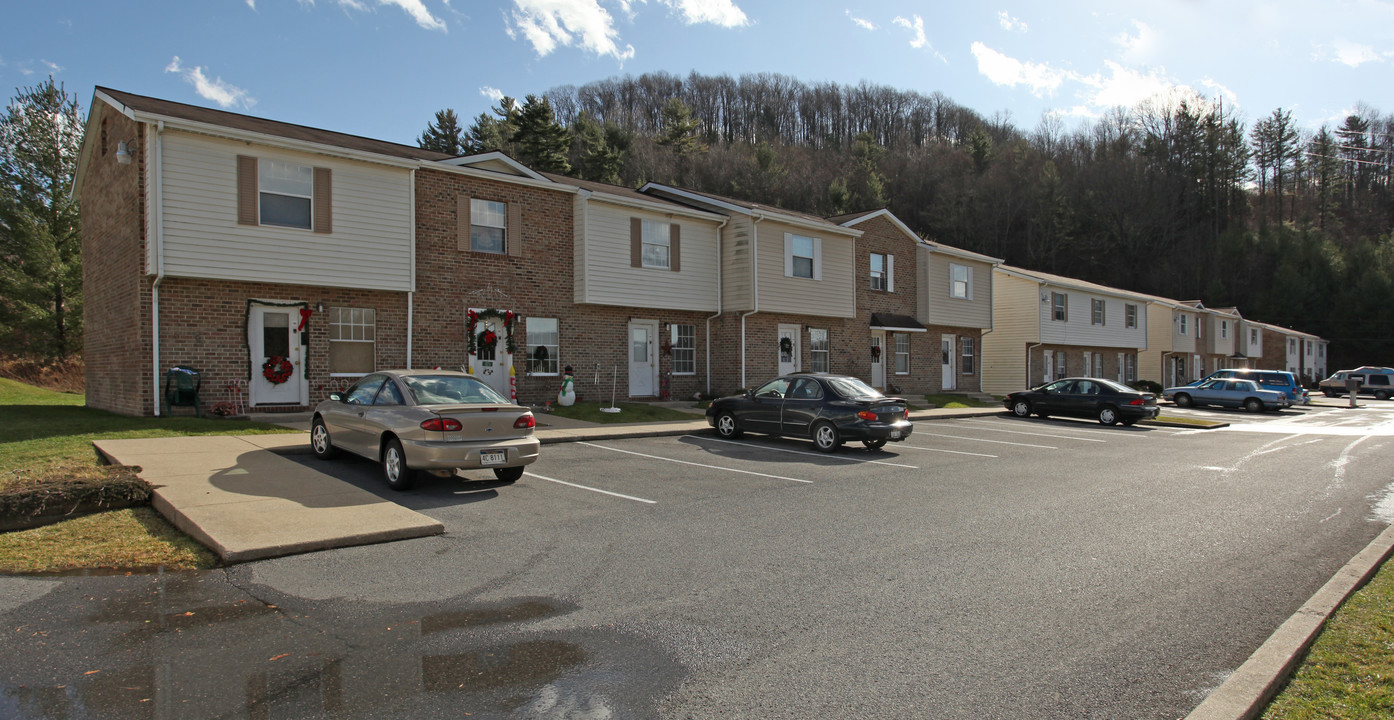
column 411, row 283
column 720, row 271
column 755, row 281
column 159, row 192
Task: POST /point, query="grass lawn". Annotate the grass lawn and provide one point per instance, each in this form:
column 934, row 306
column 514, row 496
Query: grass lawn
column 1349, row 672
column 949, row 400
column 629, row 413
column 45, row 437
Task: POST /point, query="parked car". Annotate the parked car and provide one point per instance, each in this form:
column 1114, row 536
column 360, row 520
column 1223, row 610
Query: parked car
column 1227, row 393
column 829, row 409
column 435, row 421
column 1109, row 401
column 1379, row 381
column 1280, row 380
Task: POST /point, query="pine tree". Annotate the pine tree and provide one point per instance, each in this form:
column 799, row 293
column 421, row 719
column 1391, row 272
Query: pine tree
column 540, row 141
column 488, row 134
column 444, row 135
column 678, row 132
column 40, row 238
column 599, row 160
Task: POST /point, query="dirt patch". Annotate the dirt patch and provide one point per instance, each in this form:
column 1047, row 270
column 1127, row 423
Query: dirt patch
column 63, row 496
column 62, row 374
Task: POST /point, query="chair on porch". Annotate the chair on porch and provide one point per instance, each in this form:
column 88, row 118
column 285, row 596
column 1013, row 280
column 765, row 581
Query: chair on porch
column 181, row 389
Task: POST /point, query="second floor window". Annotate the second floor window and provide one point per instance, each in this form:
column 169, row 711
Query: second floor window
column 1130, row 316
column 285, row 192
column 1253, row 336
column 1097, row 318
column 1224, row 329
column 960, row 282
column 878, row 271
column 488, row 226
column 656, row 239
column 1182, row 320
column 801, row 257
column 1057, row 307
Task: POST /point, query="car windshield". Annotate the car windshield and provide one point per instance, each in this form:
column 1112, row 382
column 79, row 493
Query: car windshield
column 449, row 390
column 850, row 387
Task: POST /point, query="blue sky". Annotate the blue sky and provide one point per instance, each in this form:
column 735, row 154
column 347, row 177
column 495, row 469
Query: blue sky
column 381, row 68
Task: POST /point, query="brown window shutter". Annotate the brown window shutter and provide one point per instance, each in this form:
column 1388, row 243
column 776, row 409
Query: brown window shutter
column 514, row 235
column 636, row 242
column 674, row 247
column 462, row 223
column 324, row 200
column 248, row 206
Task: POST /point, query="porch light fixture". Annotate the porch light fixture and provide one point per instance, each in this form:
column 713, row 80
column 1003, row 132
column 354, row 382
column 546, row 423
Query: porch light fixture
column 123, row 152
column 319, row 307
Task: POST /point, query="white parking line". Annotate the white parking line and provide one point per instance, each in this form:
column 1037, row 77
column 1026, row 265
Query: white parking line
column 584, row 487
column 999, row 442
column 979, row 426
column 684, row 462
column 941, row 450
column 828, row 456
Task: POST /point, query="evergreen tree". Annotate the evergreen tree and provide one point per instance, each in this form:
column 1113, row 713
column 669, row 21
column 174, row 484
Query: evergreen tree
column 488, row 134
column 444, row 135
column 598, row 159
column 678, row 133
column 540, row 141
column 40, row 239
column 867, row 185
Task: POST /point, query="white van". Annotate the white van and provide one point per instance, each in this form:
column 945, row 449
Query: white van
column 1379, row 381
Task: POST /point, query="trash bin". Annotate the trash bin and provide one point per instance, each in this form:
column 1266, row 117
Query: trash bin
column 1353, row 383
column 181, row 389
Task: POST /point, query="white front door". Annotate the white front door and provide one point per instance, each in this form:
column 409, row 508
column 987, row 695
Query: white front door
column 1088, row 366
column 878, row 359
column 273, row 331
column 948, row 367
column 789, row 352
column 491, row 363
column 643, row 361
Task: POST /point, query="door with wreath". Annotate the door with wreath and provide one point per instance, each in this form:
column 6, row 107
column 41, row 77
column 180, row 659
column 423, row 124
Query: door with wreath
column 277, row 354
column 789, row 350
column 491, row 346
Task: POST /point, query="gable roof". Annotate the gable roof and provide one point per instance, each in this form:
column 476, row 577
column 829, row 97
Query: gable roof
column 744, row 207
column 1068, row 282
column 852, row 219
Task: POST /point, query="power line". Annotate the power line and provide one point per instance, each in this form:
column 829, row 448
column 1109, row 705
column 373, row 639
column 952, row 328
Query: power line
column 1341, row 159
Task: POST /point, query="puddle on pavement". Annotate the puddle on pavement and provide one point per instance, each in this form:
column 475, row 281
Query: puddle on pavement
column 194, row 645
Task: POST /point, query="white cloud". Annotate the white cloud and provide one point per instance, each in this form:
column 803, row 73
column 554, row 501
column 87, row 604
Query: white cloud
column 863, row 24
column 224, row 94
column 1228, row 94
column 492, row 93
column 549, row 23
column 418, row 12
column 1010, row 23
column 917, row 28
column 53, row 67
column 1141, row 47
column 1353, row 54
column 717, row 12
column 252, row 4
column 1003, row 70
column 1126, row 87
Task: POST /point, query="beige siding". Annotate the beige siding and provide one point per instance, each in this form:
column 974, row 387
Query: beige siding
column 1224, row 344
column 1183, row 343
column 935, row 305
column 611, row 280
column 1015, row 326
column 737, row 271
column 833, row 294
column 369, row 248
column 1160, row 333
column 1078, row 327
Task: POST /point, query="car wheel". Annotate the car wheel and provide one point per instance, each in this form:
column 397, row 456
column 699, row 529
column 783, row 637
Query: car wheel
column 1381, row 395
column 1108, row 415
column 319, row 440
column 726, row 426
column 394, row 467
column 1183, row 400
column 508, row 476
column 1253, row 405
column 1021, row 409
column 826, row 437
column 1329, row 393
column 874, row 444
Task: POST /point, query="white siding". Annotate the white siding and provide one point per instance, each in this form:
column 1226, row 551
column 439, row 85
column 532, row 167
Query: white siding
column 834, row 295
column 610, row 279
column 737, row 273
column 1183, row 343
column 1015, row 327
column 935, row 305
column 370, row 247
column 1077, row 328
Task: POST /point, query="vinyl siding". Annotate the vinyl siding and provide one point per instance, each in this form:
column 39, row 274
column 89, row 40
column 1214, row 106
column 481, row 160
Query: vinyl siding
column 736, row 271
column 1160, row 333
column 1183, row 343
column 834, row 295
column 935, row 305
column 1223, row 345
column 610, row 279
column 1078, row 330
column 369, row 248
column 1015, row 326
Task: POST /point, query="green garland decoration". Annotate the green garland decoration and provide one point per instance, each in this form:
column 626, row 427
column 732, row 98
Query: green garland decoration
column 508, row 318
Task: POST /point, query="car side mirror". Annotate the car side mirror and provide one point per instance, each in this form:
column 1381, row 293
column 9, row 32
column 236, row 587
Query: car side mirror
column 336, row 397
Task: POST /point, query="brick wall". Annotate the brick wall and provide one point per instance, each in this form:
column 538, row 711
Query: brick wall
column 1074, row 361
column 116, row 291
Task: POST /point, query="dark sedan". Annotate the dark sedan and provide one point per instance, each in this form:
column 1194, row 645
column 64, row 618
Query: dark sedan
column 829, row 409
column 1110, row 402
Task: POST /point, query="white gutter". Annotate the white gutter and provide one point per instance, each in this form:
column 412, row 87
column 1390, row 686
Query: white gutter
column 719, row 273
column 755, row 281
column 411, row 294
column 158, row 190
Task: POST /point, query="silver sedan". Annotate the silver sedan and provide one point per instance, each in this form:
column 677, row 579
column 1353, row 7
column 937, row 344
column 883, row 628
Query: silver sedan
column 436, row 421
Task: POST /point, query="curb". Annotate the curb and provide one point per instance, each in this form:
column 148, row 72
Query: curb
column 1188, row 426
column 1246, row 693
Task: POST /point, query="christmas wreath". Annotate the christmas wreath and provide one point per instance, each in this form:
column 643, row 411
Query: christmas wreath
column 786, row 346
column 540, row 356
column 875, row 352
column 277, row 369
column 490, row 338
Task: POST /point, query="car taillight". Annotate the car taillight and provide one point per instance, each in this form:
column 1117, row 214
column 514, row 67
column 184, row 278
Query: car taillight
column 1138, row 401
column 866, row 415
column 441, row 425
column 525, row 421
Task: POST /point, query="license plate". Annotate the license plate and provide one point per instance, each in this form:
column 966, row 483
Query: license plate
column 895, row 434
column 887, row 409
column 493, row 458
